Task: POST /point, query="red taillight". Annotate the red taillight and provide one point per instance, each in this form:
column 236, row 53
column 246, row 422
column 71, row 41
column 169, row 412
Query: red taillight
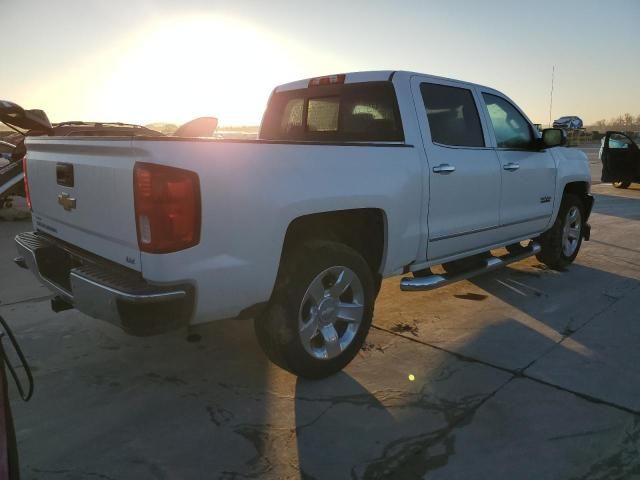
column 328, row 80
column 167, row 204
column 26, row 182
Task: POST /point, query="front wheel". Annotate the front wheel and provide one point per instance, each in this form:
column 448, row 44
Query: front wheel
column 320, row 312
column 621, row 184
column 561, row 243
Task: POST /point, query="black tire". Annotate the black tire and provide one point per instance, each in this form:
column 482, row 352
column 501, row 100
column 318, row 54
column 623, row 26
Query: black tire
column 278, row 328
column 621, row 184
column 552, row 253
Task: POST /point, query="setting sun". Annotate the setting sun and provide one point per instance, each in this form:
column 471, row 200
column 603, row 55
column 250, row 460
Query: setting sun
column 188, row 67
column 179, row 68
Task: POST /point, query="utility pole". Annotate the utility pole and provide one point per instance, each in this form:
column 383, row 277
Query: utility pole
column 553, row 70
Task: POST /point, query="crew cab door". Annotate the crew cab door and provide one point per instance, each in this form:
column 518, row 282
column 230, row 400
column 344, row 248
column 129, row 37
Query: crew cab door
column 464, row 173
column 620, row 158
column 528, row 171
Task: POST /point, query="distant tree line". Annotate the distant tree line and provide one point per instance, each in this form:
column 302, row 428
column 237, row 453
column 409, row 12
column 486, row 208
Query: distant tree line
column 625, row 122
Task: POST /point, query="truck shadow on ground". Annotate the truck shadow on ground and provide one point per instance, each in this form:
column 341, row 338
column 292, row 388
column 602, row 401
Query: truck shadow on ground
column 109, row 405
column 367, row 424
column 393, row 428
column 207, row 403
column 338, row 423
column 560, row 301
column 511, row 344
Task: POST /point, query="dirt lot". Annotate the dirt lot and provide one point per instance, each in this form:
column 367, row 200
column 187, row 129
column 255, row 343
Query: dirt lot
column 522, row 373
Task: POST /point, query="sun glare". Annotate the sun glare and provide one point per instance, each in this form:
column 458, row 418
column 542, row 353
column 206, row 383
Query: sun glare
column 180, row 69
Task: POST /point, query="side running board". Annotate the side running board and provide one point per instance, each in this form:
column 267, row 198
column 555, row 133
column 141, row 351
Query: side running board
column 431, row 282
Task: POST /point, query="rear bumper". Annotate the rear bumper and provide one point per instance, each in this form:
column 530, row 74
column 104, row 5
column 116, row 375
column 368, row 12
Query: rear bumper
column 104, row 290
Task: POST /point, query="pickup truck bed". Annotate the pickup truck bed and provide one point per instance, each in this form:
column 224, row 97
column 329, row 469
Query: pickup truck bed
column 246, row 183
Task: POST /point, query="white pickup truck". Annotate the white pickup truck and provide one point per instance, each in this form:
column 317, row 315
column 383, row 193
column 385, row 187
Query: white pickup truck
column 353, row 178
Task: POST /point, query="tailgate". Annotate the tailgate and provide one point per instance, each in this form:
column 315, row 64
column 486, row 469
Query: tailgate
column 82, row 193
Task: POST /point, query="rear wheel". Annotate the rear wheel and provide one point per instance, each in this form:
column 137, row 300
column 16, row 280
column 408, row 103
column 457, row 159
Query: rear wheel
column 320, row 312
column 621, row 184
column 561, row 243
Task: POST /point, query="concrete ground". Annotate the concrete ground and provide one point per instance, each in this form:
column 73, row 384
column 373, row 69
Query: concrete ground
column 522, row 373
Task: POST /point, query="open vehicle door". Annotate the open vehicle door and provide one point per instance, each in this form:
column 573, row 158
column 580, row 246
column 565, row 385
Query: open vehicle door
column 620, row 157
column 14, row 115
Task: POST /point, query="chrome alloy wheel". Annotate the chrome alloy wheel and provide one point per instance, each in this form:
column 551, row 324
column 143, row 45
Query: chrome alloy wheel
column 331, row 312
column 571, row 231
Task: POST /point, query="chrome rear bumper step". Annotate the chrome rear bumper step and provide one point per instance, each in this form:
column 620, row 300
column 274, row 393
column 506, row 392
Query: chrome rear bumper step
column 102, row 289
column 431, row 282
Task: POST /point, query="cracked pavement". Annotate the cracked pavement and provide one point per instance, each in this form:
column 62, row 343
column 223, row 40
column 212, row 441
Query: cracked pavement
column 520, row 373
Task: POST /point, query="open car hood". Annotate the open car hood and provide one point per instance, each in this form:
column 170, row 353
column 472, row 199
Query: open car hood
column 37, row 122
column 14, row 115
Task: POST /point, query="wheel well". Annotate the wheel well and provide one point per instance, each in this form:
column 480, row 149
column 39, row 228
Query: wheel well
column 581, row 190
column 362, row 229
column 577, row 188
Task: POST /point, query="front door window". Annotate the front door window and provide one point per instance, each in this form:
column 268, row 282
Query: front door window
column 511, row 129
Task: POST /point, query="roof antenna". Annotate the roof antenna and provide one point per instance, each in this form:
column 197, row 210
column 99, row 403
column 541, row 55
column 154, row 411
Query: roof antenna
column 553, row 69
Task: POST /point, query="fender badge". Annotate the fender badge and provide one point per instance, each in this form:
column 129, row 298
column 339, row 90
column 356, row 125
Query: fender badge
column 67, row 201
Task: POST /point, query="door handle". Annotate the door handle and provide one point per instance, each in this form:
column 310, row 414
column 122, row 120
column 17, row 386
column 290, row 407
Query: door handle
column 444, row 168
column 511, row 166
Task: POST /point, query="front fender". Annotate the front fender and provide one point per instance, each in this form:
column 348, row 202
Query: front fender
column 572, row 168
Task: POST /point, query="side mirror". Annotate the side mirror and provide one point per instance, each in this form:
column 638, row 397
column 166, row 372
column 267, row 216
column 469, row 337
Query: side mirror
column 554, row 137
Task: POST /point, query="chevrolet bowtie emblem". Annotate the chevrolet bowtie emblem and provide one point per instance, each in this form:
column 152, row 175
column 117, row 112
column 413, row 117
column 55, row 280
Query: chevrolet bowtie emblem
column 67, row 201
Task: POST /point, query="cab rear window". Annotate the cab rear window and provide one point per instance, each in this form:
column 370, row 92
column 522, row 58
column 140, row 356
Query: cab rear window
column 358, row 112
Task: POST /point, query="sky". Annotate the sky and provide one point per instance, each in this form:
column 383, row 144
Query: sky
column 144, row 61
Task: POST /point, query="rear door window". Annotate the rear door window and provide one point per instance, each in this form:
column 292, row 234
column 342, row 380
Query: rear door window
column 358, row 112
column 323, row 114
column 452, row 115
column 291, row 122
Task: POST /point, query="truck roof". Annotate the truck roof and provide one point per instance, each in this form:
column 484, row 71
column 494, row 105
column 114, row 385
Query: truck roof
column 371, row 76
